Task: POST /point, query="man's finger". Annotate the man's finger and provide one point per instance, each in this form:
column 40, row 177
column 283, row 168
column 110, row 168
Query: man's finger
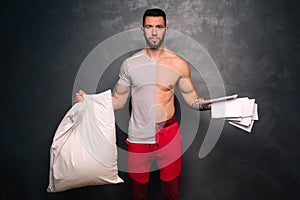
column 81, row 92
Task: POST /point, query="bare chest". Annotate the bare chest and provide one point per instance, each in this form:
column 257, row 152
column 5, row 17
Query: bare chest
column 167, row 76
column 162, row 75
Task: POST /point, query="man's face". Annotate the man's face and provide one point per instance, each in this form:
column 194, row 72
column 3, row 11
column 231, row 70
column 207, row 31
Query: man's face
column 154, row 31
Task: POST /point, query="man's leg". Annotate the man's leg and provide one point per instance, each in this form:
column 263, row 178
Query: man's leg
column 139, row 163
column 170, row 189
column 138, row 191
column 169, row 159
column 169, row 183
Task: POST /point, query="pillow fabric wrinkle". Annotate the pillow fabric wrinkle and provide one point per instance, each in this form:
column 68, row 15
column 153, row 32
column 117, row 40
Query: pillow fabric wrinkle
column 93, row 123
column 83, row 150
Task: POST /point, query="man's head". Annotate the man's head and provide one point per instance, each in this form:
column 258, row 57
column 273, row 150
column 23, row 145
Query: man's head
column 154, row 27
column 155, row 12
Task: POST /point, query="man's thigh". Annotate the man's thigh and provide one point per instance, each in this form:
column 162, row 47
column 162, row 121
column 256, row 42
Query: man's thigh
column 139, row 161
column 169, row 155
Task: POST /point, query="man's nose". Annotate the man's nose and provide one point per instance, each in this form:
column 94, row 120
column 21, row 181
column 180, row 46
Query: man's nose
column 154, row 31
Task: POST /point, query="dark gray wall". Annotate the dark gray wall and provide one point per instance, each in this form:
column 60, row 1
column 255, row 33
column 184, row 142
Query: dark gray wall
column 253, row 42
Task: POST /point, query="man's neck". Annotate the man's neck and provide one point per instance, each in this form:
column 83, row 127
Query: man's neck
column 155, row 54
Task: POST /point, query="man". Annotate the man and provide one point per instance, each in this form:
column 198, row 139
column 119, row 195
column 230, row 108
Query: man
column 150, row 77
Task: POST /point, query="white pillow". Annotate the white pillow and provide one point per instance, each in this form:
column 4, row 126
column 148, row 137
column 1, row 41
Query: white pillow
column 84, row 151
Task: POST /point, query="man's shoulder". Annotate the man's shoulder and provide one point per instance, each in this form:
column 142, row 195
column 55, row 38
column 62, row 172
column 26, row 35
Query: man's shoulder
column 174, row 56
column 136, row 55
column 177, row 62
column 175, row 59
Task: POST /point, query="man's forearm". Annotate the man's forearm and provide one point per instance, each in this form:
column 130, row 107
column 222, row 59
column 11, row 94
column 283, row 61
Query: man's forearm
column 198, row 105
column 117, row 105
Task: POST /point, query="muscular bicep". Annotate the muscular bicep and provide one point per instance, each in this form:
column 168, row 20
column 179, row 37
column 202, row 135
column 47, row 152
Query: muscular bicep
column 190, row 95
column 185, row 84
column 120, row 96
column 187, row 90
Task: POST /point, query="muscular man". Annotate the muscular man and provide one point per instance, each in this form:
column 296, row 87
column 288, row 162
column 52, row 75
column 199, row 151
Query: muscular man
column 150, row 77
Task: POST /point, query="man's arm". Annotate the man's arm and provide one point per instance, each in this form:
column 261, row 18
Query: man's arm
column 187, row 89
column 120, row 96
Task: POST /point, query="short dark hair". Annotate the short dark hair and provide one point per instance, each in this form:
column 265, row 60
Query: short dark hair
column 155, row 12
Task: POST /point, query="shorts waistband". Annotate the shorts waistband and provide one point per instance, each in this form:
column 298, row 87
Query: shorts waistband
column 166, row 123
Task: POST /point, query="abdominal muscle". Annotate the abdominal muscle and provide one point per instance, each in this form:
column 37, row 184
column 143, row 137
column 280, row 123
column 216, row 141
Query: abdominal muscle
column 164, row 108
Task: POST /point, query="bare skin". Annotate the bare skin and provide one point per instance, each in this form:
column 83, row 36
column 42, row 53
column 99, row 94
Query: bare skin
column 172, row 71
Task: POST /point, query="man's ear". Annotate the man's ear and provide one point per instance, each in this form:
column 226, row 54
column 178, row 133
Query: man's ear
column 167, row 29
column 142, row 29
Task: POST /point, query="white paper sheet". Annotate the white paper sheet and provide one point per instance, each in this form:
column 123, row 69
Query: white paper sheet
column 220, row 99
column 246, row 128
column 255, row 112
column 240, row 112
column 246, row 121
column 229, row 108
column 248, row 106
column 237, row 119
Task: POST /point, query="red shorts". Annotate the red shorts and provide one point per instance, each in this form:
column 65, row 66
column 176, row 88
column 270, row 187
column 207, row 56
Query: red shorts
column 167, row 152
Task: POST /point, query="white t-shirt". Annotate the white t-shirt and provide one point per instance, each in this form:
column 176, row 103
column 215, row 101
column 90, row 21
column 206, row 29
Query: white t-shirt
column 139, row 72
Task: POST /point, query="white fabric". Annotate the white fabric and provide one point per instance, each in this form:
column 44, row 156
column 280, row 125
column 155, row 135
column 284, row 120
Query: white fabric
column 83, row 151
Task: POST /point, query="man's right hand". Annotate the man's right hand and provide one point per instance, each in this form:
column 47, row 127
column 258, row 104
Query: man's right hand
column 79, row 96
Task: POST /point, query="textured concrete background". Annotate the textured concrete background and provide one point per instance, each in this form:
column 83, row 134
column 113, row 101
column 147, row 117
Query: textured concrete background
column 253, row 42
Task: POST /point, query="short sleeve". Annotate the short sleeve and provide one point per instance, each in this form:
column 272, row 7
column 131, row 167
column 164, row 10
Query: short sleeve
column 124, row 78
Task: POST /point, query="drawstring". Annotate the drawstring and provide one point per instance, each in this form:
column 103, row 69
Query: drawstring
column 153, row 147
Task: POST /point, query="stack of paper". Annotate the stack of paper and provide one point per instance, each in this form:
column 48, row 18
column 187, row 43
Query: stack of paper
column 240, row 112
